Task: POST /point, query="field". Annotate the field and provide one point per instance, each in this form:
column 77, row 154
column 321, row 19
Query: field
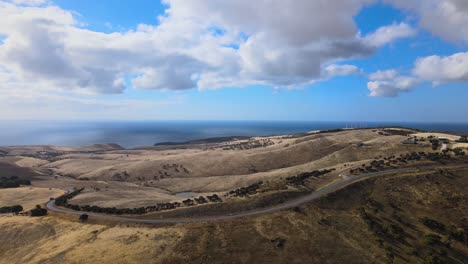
column 331, row 230
column 158, row 173
column 27, row 197
column 415, row 215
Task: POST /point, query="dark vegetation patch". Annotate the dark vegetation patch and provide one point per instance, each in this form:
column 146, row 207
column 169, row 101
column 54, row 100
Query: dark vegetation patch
column 279, row 242
column 38, row 211
column 45, row 155
column 399, row 132
column 250, row 144
column 302, row 177
column 11, row 209
column 63, row 201
column 433, row 224
column 395, row 161
column 400, row 233
column 202, row 141
column 246, row 191
column 83, row 218
column 13, row 182
column 214, row 209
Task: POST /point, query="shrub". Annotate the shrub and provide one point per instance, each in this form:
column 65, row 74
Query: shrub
column 432, row 239
column 13, row 182
column 84, row 217
column 459, row 235
column 38, row 211
column 11, row 209
column 433, row 224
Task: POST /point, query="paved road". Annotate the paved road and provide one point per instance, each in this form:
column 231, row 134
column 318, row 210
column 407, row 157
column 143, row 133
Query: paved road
column 288, row 204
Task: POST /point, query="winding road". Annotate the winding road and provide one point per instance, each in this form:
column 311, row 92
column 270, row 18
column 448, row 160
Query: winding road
column 262, row 211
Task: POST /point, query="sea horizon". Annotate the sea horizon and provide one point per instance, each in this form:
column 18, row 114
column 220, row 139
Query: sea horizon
column 131, row 134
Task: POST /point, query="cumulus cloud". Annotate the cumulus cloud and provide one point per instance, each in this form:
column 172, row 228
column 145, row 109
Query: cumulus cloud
column 444, row 18
column 204, row 44
column 341, row 70
column 388, row 34
column 440, row 70
column 389, row 83
column 434, row 69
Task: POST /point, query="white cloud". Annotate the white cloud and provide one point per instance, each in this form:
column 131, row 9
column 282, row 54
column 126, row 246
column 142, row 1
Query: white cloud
column 30, row 2
column 288, row 46
column 389, row 83
column 434, row 69
column 444, row 18
column 341, row 70
column 388, row 34
column 294, row 44
column 440, row 70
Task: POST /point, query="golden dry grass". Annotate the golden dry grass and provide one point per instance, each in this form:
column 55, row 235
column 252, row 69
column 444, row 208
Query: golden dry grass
column 208, row 168
column 444, row 135
column 330, row 230
column 48, row 240
column 28, row 197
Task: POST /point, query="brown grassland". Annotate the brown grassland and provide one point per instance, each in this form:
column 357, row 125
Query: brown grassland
column 411, row 217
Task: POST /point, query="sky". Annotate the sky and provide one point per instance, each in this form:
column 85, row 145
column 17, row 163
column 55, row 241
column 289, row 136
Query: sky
column 340, row 60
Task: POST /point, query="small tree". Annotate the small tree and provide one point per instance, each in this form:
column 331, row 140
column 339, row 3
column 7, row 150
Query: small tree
column 11, row 209
column 84, row 218
column 16, row 209
column 38, row 211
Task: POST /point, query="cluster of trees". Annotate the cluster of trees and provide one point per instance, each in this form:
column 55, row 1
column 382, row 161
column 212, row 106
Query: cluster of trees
column 11, row 209
column 458, row 152
column 463, row 139
column 246, row 191
column 63, row 201
column 13, row 182
column 380, row 164
column 330, row 131
column 38, row 211
column 106, row 210
column 143, row 210
column 251, row 144
column 214, row 198
column 302, row 177
column 435, row 143
column 202, row 200
column 45, row 155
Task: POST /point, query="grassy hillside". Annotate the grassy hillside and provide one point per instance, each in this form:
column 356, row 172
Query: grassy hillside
column 418, row 218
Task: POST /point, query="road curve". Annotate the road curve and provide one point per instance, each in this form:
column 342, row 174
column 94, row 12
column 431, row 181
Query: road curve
column 262, row 211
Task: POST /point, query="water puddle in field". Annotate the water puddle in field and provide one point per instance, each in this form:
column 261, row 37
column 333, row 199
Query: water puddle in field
column 186, row 194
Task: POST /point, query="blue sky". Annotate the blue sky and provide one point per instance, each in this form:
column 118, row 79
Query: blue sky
column 391, row 79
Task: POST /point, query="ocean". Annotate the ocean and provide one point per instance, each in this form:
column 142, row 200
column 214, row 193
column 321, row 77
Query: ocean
column 146, row 133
